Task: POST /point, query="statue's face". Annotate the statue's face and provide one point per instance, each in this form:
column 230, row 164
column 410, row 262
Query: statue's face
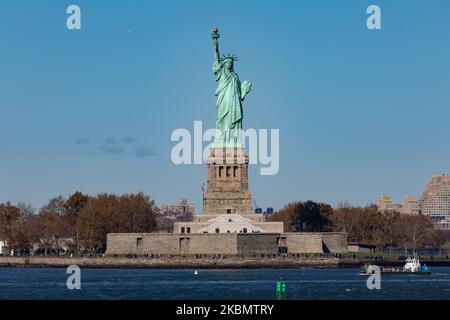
column 229, row 64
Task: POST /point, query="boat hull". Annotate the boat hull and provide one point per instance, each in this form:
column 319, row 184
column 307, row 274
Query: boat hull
column 408, row 273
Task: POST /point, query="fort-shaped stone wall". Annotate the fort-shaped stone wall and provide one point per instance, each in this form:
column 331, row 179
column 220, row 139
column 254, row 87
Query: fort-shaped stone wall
column 225, row 243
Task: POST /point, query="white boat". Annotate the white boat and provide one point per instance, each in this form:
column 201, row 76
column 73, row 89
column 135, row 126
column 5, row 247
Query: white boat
column 412, row 266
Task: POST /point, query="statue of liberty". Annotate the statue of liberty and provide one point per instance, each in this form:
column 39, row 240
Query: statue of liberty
column 230, row 93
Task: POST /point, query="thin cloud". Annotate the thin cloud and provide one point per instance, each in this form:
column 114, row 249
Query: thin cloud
column 110, row 140
column 129, row 140
column 112, row 149
column 113, row 146
column 143, row 152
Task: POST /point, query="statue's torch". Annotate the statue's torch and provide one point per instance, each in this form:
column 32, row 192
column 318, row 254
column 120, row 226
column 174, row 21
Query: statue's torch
column 215, row 35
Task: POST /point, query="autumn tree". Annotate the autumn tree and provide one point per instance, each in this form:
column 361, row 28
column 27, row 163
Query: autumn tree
column 392, row 230
column 21, row 239
column 8, row 215
column 12, row 225
column 93, row 220
column 385, row 229
column 13, row 221
column 284, row 215
column 50, row 224
column 105, row 214
column 72, row 208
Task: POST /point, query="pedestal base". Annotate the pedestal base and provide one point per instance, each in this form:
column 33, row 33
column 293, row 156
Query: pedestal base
column 227, row 191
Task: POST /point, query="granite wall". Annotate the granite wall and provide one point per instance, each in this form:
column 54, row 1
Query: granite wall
column 225, row 243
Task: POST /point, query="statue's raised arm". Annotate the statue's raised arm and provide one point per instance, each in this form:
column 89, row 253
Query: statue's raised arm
column 215, row 36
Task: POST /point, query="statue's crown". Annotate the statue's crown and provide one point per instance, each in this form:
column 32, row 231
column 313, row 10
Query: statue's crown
column 231, row 57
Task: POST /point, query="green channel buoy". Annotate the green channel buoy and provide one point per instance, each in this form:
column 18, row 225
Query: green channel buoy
column 281, row 290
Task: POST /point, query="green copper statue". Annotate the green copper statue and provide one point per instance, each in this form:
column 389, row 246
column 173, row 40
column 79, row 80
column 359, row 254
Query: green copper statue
column 230, row 93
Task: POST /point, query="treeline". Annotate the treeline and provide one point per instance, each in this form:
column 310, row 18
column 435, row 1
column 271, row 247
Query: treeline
column 79, row 224
column 368, row 225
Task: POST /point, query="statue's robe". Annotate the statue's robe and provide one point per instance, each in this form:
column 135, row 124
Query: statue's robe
column 229, row 105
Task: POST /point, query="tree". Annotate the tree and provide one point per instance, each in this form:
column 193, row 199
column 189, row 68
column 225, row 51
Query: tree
column 73, row 206
column 35, row 230
column 138, row 214
column 93, row 220
column 56, row 206
column 416, row 230
column 310, row 216
column 9, row 220
column 50, row 224
column 438, row 239
column 284, row 215
column 344, row 219
column 13, row 226
column 8, row 215
column 305, row 216
column 392, row 230
column 105, row 214
column 21, row 239
column 368, row 225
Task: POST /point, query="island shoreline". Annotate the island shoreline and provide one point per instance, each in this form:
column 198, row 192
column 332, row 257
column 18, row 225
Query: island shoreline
column 199, row 263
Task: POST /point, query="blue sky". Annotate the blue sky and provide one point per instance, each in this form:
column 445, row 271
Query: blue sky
column 361, row 113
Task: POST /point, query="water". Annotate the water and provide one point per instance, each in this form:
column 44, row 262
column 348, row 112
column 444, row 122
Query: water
column 242, row 284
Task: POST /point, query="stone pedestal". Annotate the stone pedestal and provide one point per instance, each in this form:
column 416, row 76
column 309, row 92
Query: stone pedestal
column 227, row 189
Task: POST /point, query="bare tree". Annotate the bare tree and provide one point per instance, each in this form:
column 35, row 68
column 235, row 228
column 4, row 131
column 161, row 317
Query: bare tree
column 416, row 230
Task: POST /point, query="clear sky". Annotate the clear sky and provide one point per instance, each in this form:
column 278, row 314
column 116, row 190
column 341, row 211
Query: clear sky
column 361, row 113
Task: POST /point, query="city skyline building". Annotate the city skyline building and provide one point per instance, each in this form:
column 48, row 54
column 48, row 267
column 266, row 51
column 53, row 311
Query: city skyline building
column 182, row 206
column 434, row 202
column 410, row 205
column 385, row 204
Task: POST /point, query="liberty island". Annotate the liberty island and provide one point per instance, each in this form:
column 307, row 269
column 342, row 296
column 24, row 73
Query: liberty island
column 227, row 225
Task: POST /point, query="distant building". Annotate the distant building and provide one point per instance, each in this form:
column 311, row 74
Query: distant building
column 385, row 205
column 361, row 247
column 171, row 213
column 66, row 244
column 410, row 206
column 181, row 206
column 3, row 248
column 435, row 201
column 441, row 224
